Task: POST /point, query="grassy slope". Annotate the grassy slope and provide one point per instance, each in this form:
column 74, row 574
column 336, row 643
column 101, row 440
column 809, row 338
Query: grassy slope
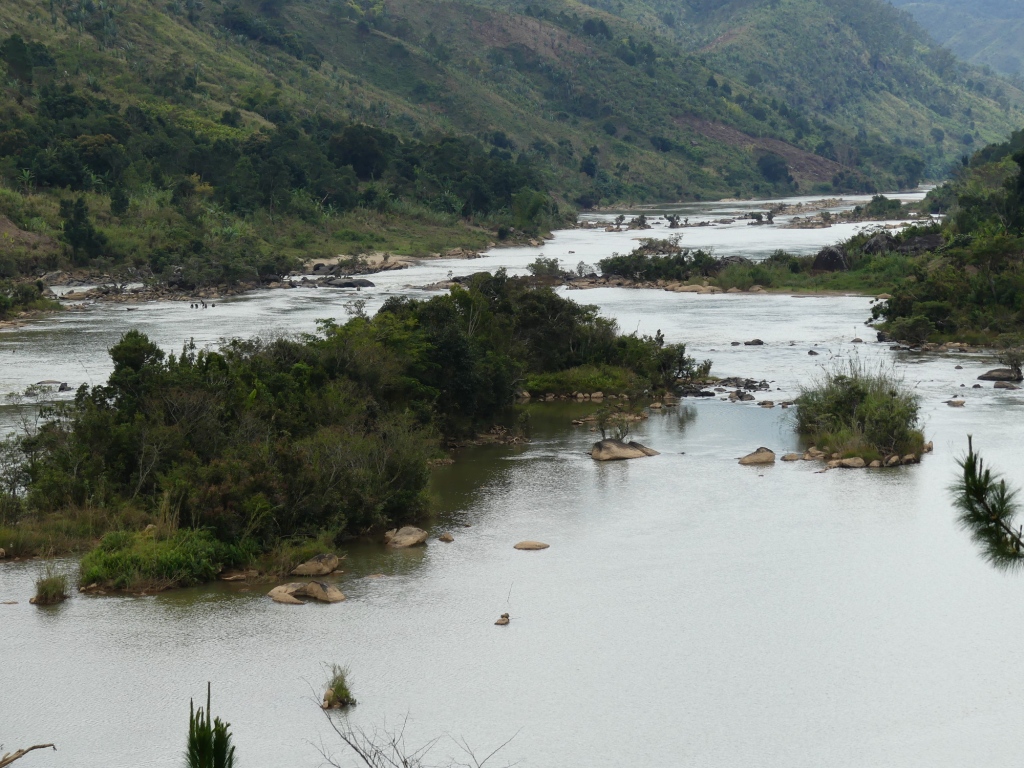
column 427, row 66
column 983, row 33
column 864, row 94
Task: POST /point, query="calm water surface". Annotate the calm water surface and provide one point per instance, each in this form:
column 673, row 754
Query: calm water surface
column 689, row 612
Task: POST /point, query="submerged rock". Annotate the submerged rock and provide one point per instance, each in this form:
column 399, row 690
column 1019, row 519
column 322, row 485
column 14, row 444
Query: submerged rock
column 617, row 450
column 321, row 565
column 529, row 546
column 759, row 457
column 447, row 538
column 793, row 457
column 407, row 536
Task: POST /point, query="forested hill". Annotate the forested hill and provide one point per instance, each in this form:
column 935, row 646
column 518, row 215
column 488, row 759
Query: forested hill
column 980, row 31
column 212, row 139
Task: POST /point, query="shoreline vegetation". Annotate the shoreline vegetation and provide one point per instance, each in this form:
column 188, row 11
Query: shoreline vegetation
column 269, row 451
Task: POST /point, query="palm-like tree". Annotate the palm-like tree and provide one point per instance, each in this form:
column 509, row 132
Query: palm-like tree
column 987, row 509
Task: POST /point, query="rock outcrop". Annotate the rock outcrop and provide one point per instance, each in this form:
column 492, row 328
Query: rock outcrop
column 405, row 537
column 289, row 594
column 321, row 565
column 758, row 458
column 831, row 259
column 881, row 243
column 1000, row 374
column 617, row 450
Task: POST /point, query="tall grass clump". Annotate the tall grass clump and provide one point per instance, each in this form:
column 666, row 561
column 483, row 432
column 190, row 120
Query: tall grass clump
column 209, row 743
column 51, row 587
column 338, row 694
column 855, row 411
column 127, row 560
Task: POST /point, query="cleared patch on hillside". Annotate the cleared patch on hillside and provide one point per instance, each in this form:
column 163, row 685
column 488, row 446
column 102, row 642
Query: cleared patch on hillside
column 13, row 237
column 804, row 166
column 542, row 39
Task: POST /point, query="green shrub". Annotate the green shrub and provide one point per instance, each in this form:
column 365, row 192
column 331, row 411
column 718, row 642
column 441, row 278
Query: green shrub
column 857, row 412
column 51, row 587
column 913, row 330
column 338, row 693
column 126, row 560
column 585, row 378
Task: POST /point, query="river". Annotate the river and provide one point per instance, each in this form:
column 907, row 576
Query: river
column 689, row 612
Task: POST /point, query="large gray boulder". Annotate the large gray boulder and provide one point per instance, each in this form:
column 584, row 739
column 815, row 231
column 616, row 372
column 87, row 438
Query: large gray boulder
column 881, row 243
column 617, row 450
column 831, row 259
column 403, row 538
column 920, row 244
column 1001, row 374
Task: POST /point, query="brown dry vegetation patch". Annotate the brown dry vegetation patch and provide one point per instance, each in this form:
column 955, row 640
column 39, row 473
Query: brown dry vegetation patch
column 725, row 39
column 805, row 166
column 540, row 38
column 13, row 237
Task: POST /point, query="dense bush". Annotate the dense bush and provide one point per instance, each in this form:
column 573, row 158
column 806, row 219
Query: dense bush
column 660, row 260
column 126, row 560
column 974, row 284
column 857, row 412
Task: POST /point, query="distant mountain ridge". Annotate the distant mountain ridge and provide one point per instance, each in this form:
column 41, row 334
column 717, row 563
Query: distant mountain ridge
column 616, row 100
column 983, row 32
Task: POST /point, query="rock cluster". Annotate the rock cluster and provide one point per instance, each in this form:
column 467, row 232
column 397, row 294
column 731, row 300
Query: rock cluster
column 289, row 594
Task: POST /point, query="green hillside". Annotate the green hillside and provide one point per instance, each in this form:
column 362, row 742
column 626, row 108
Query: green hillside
column 985, row 32
column 211, row 141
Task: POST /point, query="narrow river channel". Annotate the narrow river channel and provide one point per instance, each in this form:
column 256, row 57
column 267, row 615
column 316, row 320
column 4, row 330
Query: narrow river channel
column 689, row 612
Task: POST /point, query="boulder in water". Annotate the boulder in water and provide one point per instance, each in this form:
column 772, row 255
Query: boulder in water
column 531, row 546
column 289, row 594
column 758, row 458
column 617, row 450
column 403, row 538
column 321, row 565
column 1000, row 374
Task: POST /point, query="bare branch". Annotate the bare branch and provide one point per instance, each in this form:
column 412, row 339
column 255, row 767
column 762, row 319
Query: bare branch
column 11, row 757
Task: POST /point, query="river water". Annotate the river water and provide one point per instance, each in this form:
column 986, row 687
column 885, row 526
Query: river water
column 689, row 612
